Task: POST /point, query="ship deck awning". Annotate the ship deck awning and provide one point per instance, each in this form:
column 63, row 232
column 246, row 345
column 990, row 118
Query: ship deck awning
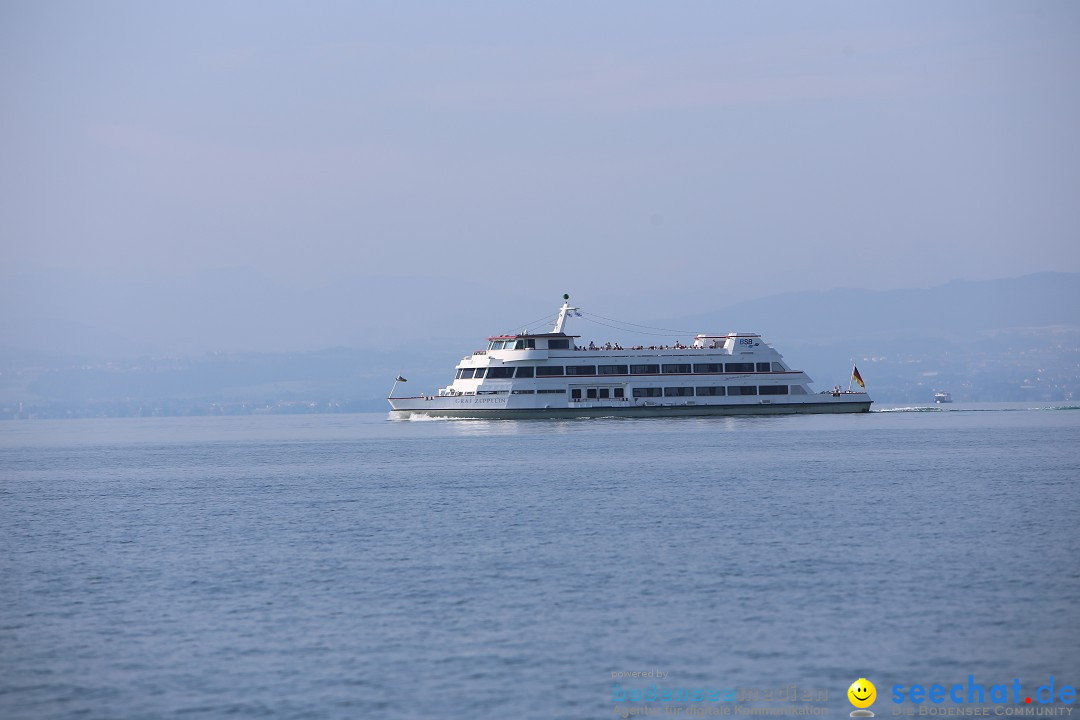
column 531, row 336
column 720, row 336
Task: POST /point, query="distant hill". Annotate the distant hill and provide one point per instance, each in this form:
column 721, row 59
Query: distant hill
column 1009, row 339
column 957, row 309
column 338, row 379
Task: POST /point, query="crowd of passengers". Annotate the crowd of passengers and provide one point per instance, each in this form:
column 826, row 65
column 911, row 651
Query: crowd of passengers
column 616, row 346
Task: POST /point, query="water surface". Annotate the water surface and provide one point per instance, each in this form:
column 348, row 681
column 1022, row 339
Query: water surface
column 347, row 566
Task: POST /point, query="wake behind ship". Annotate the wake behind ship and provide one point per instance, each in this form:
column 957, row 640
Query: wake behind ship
column 548, row 375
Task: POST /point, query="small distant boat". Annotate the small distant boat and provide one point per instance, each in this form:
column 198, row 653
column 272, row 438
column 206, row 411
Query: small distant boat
column 942, row 397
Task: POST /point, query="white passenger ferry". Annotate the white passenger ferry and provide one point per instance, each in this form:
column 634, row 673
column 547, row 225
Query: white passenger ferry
column 548, row 375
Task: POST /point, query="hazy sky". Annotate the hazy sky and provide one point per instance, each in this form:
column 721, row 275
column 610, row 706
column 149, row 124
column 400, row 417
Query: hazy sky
column 648, row 157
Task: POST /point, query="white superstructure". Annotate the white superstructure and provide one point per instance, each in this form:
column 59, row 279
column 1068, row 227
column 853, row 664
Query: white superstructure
column 550, row 375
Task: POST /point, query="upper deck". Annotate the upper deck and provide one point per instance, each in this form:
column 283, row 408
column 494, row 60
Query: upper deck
column 517, row 348
column 532, row 356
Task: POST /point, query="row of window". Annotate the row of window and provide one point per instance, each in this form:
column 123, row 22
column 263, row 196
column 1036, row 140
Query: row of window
column 603, row 393
column 710, row 391
column 593, row 370
column 528, row 344
column 619, row 393
column 560, row 391
column 525, row 344
column 597, row 393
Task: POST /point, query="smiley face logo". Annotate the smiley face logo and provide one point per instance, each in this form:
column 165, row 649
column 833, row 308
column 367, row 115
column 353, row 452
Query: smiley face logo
column 862, row 694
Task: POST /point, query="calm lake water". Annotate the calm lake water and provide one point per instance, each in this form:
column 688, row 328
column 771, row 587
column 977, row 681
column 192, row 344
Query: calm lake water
column 351, row 567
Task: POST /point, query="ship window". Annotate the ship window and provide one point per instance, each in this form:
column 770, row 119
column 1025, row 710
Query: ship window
column 648, row 392
column 604, row 393
column 480, row 372
column 580, row 369
column 742, row 390
column 591, row 393
column 543, row 370
column 739, row 367
column 560, row 391
column 500, row 372
column 678, row 391
column 764, row 367
column 496, row 345
column 611, row 370
column 709, row 367
column 522, row 392
column 524, row 372
column 466, row 373
column 559, row 344
column 575, row 394
column 777, row 367
column 710, row 391
column 798, row 390
column 644, row 369
column 679, row 369
column 617, row 392
column 772, row 390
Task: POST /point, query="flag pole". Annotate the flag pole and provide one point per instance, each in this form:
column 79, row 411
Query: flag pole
column 851, row 379
column 397, row 379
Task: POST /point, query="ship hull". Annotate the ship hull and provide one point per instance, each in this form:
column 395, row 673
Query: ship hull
column 404, row 408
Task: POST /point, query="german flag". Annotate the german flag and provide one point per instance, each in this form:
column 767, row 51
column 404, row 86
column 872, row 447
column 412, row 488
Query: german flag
column 856, row 376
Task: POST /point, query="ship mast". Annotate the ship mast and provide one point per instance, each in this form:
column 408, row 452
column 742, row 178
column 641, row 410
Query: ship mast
column 563, row 312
